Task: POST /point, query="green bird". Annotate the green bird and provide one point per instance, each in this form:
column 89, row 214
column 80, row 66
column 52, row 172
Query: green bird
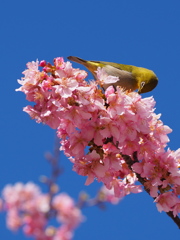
column 131, row 78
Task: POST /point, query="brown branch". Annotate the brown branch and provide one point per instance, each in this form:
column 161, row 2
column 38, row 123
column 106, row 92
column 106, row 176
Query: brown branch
column 129, row 161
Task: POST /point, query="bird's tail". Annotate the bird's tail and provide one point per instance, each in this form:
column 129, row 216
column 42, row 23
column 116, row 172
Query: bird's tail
column 90, row 65
column 76, row 59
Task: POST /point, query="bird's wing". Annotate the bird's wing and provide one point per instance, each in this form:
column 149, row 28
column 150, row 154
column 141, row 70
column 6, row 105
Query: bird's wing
column 126, row 79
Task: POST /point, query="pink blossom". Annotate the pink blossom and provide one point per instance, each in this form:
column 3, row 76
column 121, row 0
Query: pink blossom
column 95, row 127
column 18, row 194
column 104, row 78
column 59, row 63
column 63, row 233
column 108, row 195
column 65, row 86
column 14, row 221
column 166, row 202
column 24, row 207
column 176, row 209
column 67, row 212
column 29, row 208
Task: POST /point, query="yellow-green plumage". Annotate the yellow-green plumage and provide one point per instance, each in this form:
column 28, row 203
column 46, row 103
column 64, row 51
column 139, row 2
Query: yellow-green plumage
column 130, row 77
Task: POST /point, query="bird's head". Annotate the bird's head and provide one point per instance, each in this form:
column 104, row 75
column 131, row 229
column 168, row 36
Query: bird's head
column 147, row 81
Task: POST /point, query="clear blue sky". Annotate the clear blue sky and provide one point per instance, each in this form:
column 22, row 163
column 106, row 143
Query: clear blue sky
column 136, row 32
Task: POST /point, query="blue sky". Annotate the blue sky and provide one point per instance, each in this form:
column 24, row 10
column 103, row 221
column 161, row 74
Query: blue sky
column 141, row 33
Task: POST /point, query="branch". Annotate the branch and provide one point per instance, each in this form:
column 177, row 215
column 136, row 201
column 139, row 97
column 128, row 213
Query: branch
column 129, row 161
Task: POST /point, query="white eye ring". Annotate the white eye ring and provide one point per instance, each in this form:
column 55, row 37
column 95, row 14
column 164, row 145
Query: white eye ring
column 142, row 85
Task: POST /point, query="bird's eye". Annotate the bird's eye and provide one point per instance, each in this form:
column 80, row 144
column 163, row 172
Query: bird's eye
column 142, row 85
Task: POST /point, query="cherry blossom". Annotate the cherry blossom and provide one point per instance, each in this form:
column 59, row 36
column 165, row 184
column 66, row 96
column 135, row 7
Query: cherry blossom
column 29, row 208
column 98, row 128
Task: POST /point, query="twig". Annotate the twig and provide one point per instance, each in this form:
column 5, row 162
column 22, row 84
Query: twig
column 129, row 161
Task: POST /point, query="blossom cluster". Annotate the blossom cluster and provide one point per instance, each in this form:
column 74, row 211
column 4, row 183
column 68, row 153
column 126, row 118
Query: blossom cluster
column 96, row 128
column 29, row 208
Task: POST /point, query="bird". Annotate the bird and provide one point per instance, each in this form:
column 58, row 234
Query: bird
column 131, row 78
